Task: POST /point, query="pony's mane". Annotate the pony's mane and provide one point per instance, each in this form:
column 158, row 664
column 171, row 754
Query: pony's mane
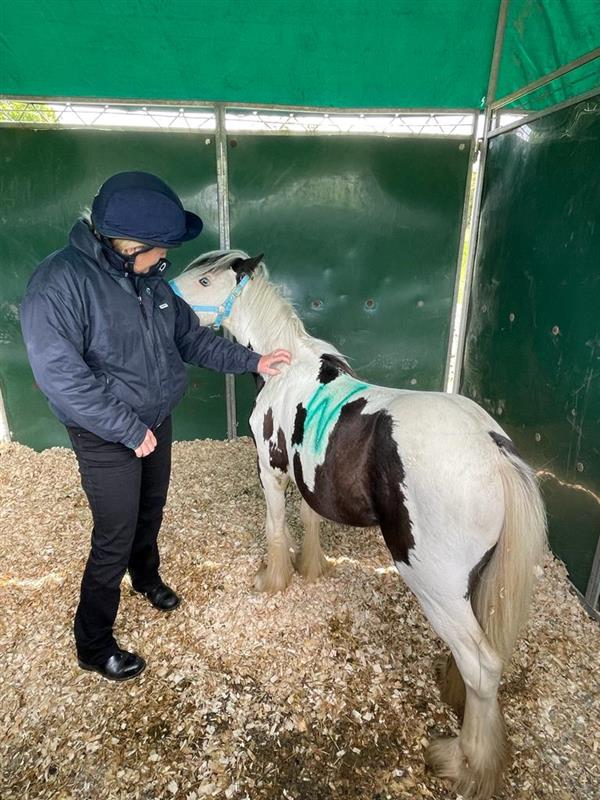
column 216, row 260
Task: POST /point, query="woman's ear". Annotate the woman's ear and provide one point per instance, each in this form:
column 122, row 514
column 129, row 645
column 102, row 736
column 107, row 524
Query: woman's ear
column 246, row 266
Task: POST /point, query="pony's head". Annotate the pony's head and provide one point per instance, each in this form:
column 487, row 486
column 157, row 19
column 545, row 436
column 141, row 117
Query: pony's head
column 214, row 281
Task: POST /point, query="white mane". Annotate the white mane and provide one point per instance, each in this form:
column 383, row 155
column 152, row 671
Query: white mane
column 215, row 260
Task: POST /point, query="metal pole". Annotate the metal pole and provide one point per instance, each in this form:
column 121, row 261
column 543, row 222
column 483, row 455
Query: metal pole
column 475, row 217
column 4, row 429
column 225, row 243
column 449, row 382
column 592, row 592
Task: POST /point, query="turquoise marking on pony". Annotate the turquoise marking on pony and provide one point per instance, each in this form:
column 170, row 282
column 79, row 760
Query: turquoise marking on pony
column 324, row 408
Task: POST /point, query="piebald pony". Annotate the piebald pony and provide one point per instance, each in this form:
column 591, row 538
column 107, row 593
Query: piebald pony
column 459, row 510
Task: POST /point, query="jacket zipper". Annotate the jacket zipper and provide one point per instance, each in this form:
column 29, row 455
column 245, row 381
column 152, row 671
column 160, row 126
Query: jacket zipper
column 135, row 280
column 145, row 316
column 143, row 310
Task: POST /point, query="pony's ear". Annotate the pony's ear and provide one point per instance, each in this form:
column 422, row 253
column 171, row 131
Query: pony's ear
column 246, row 266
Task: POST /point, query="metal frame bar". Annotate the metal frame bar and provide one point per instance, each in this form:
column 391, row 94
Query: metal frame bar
column 52, row 126
column 526, row 119
column 592, row 592
column 49, row 126
column 4, row 428
column 284, row 122
column 370, row 110
column 475, row 217
column 594, row 613
column 369, row 134
column 225, row 243
column 84, row 116
column 450, row 356
column 231, row 106
column 548, row 78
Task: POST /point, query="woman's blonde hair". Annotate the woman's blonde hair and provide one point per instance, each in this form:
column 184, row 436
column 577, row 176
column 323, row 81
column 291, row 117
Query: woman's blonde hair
column 121, row 245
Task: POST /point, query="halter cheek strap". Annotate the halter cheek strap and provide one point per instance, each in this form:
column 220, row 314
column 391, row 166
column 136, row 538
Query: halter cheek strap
column 222, row 311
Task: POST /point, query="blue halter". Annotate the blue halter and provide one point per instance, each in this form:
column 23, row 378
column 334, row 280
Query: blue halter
column 222, row 311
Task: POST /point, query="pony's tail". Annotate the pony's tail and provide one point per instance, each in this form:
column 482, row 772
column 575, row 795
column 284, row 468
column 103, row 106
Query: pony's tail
column 503, row 596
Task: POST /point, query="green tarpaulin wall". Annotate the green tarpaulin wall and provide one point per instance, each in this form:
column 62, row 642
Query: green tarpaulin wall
column 342, row 53
column 533, row 343
column 46, row 179
column 288, row 199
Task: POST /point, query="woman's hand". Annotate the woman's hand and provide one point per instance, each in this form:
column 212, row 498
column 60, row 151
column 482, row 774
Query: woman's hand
column 265, row 365
column 147, row 446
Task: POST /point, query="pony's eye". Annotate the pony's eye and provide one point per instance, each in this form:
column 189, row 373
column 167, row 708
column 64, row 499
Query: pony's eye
column 204, row 282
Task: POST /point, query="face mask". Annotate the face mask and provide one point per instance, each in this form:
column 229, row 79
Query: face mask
column 127, row 263
column 119, row 260
column 161, row 266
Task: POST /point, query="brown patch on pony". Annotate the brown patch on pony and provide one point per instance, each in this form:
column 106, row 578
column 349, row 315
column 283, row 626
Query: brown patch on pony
column 259, row 381
column 364, row 489
column 299, row 420
column 477, row 571
column 268, row 425
column 278, row 456
column 504, row 443
column 331, row 367
column 245, row 266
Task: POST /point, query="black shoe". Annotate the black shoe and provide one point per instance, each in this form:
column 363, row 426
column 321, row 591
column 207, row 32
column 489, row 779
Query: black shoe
column 122, row 666
column 162, row 597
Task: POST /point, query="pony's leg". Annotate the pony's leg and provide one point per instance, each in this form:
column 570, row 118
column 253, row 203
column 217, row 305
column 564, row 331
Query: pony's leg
column 451, row 684
column 291, row 542
column 276, row 574
column 312, row 563
column 475, row 758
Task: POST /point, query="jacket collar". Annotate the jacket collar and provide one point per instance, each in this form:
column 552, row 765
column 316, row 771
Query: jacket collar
column 82, row 238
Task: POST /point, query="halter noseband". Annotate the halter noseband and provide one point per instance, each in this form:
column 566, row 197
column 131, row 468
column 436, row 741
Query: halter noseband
column 222, row 311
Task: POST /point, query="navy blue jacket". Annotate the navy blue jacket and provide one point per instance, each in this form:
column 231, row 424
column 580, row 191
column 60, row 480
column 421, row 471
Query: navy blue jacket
column 108, row 360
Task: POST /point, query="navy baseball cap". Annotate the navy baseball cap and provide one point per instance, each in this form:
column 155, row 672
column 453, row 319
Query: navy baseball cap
column 140, row 206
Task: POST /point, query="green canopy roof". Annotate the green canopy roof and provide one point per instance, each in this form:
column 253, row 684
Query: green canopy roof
column 543, row 35
column 336, row 53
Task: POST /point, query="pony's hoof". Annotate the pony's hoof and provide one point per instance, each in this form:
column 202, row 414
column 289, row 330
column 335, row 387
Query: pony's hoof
column 445, row 758
column 312, row 570
column 266, row 581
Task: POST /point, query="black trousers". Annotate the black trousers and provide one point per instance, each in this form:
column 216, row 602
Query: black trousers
column 126, row 496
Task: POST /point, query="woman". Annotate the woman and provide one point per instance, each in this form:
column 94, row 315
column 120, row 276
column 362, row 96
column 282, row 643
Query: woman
column 107, row 340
